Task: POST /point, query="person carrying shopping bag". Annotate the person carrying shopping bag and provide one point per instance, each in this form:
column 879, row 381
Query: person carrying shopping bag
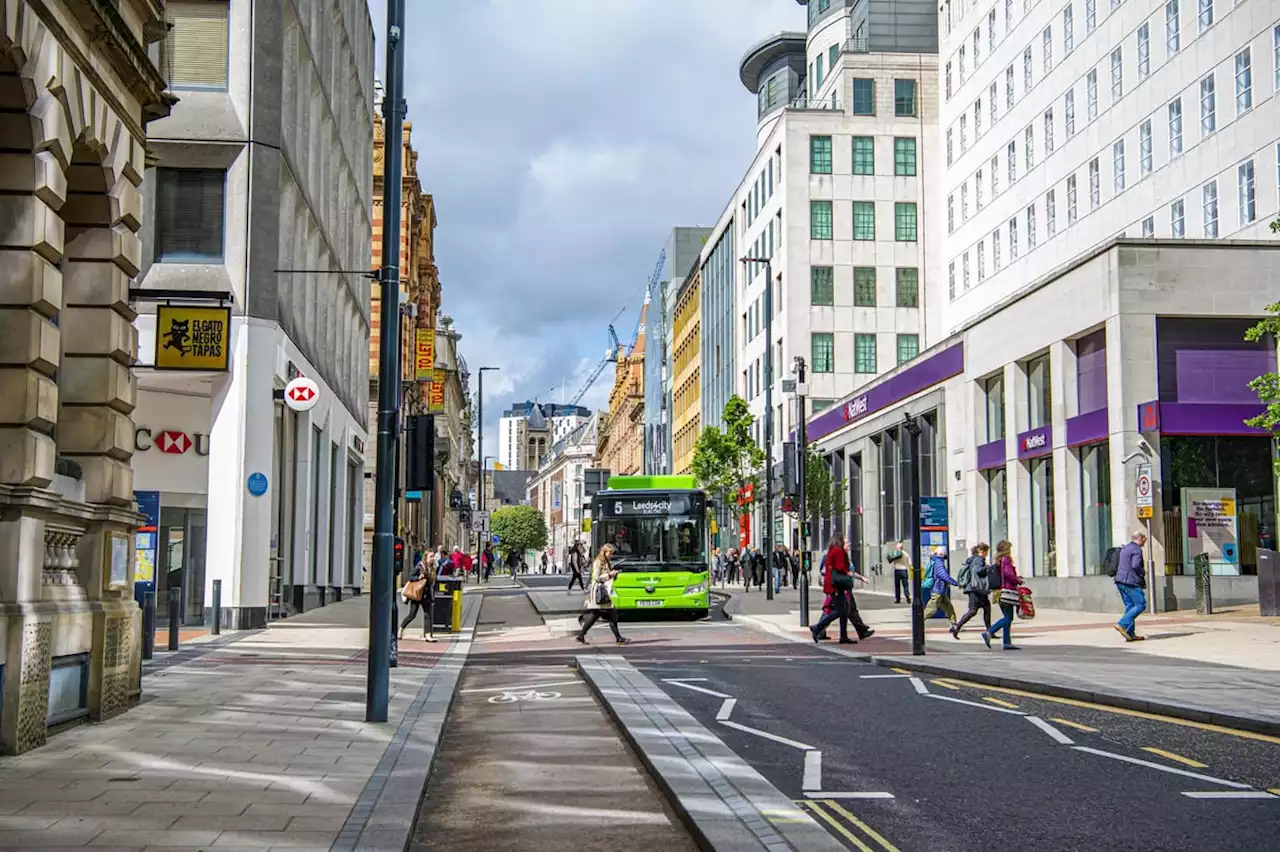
column 1004, row 582
column 418, row 593
column 599, row 603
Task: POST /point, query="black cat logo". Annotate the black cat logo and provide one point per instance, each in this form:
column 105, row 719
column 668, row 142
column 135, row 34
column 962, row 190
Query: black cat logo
column 178, row 336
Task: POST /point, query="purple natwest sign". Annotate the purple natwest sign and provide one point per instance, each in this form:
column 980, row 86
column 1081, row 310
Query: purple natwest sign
column 932, row 370
column 1037, row 442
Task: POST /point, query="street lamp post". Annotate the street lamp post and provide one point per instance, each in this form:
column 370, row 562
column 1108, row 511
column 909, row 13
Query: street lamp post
column 382, row 581
column 483, row 458
column 767, row 536
column 917, row 570
column 802, row 464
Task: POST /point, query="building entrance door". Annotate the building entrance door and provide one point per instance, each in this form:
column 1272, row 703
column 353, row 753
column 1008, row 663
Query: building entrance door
column 181, row 563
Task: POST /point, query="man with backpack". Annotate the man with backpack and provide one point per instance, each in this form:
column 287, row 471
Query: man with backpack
column 1131, row 579
column 896, row 556
column 974, row 580
column 936, row 580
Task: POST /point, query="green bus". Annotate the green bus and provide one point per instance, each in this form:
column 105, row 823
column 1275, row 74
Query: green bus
column 658, row 527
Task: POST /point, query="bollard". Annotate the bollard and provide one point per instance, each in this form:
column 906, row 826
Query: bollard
column 175, row 616
column 217, row 608
column 1204, row 585
column 148, row 624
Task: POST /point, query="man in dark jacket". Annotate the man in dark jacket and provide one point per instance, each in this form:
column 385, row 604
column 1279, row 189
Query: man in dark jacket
column 1131, row 579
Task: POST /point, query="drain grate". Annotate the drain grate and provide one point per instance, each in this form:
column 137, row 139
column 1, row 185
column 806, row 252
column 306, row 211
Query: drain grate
column 352, row 697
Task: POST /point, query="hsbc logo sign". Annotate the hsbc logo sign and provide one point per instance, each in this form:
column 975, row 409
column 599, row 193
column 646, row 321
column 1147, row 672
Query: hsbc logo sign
column 170, row 441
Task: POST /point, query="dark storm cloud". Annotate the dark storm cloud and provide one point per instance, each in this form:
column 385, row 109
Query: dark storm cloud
column 562, row 139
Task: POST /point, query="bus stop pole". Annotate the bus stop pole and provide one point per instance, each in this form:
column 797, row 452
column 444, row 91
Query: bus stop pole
column 802, row 457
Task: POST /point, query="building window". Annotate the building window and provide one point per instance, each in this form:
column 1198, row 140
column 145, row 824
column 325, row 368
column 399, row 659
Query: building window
column 833, row 56
column 1069, row 112
column 993, row 393
column 820, row 155
column 904, row 157
column 1209, row 193
column 864, row 97
column 964, row 271
column 1026, row 70
column 995, row 176
column 951, row 214
column 1043, row 553
column 982, row 261
column 1048, row 131
column 820, row 220
column 1090, row 16
column 1011, row 155
column 991, row 31
column 1175, row 127
column 997, row 505
column 951, row 280
column 823, row 351
column 950, row 146
column 1072, row 210
column 864, row 155
column 1009, row 97
column 1206, row 14
column 1008, row 16
column 194, row 54
column 1029, row 147
column 822, row 286
column 1172, row 28
column 864, row 353
column 977, row 119
column 908, row 287
column 908, row 347
column 1050, row 213
column 977, row 46
column 1275, row 54
column 1095, row 184
column 960, row 58
column 1144, row 51
column 1117, row 164
column 948, row 79
column 1046, row 39
column 1245, row 191
column 1117, row 75
column 904, row 98
column 904, row 221
column 1144, row 148
column 1031, row 227
column 977, row 188
column 1095, row 504
column 1244, row 81
column 189, row 215
column 1091, row 87
column 864, row 220
column 1149, row 226
column 1013, row 239
column 819, row 74
column 964, row 133
column 995, row 250
column 1039, row 393
column 1178, row 219
column 1208, row 105
column 964, row 202
column 864, row 286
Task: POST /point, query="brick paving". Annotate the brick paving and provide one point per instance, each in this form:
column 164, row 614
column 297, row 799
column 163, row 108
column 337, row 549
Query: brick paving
column 259, row 743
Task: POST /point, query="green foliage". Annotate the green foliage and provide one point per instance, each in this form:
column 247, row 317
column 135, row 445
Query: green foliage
column 823, row 494
column 726, row 460
column 1267, row 386
column 520, row 528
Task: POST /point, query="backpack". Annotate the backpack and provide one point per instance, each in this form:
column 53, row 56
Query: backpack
column 1111, row 561
column 926, row 585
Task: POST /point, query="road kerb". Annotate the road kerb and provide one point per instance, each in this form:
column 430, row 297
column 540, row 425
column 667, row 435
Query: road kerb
column 724, row 802
column 1103, row 698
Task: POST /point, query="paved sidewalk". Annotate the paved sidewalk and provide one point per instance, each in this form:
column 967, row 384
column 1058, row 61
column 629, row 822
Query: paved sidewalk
column 257, row 743
column 1222, row 669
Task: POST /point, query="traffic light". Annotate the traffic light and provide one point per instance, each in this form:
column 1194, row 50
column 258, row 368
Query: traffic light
column 455, row 500
column 399, row 555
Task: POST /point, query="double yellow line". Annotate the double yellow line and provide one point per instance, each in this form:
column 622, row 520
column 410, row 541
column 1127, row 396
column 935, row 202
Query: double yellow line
column 863, row 837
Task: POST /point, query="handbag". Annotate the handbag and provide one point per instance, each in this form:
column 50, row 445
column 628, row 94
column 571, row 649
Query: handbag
column 600, row 594
column 414, row 589
column 841, row 582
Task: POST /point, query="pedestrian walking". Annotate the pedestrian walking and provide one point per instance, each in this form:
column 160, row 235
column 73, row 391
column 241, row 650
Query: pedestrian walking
column 1131, row 580
column 717, row 567
column 779, row 568
column 837, row 580
column 896, row 556
column 418, row 593
column 794, row 558
column 940, row 583
column 486, row 560
column 973, row 579
column 732, row 566
column 599, row 603
column 1006, row 594
column 544, row 563
column 444, row 565
column 576, row 560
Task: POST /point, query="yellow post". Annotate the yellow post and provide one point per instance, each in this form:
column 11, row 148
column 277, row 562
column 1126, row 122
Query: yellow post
column 457, row 610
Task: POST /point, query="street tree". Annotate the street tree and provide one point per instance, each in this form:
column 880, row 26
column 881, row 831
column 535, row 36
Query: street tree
column 519, row 529
column 726, row 460
column 824, row 495
column 1267, row 386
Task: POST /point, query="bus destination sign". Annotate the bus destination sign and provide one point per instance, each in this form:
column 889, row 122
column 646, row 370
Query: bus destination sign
column 657, row 506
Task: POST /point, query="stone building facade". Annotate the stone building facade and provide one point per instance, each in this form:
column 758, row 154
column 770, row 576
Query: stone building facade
column 620, row 445
column 78, row 93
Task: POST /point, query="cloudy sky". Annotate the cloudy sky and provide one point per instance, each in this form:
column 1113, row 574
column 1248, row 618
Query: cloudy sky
column 562, row 140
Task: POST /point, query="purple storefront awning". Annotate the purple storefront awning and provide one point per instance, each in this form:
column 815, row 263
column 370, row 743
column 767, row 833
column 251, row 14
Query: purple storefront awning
column 991, row 455
column 1088, row 428
column 1195, row 418
column 932, row 370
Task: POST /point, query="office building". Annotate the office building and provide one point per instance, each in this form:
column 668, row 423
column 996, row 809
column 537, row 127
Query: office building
column 527, row 431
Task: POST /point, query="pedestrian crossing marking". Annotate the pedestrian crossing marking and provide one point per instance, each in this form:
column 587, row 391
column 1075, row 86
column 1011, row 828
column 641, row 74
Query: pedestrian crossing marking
column 999, row 702
column 847, row 825
column 1177, row 758
column 1076, row 725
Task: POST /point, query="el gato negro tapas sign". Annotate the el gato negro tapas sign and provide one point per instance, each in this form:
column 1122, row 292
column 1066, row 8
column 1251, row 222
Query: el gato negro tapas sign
column 170, row 441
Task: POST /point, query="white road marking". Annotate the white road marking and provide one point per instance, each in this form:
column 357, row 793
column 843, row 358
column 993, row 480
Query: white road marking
column 531, row 695
column 687, row 680
column 884, row 677
column 1058, row 736
column 976, row 704
column 812, row 771
column 919, row 685
column 1230, row 794
column 523, row 686
column 1172, row 771
column 701, row 689
column 726, row 709
column 766, row 735
column 821, row 794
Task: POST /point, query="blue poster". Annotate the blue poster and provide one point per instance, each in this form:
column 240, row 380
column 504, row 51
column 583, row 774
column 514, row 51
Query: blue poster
column 145, row 540
column 933, row 514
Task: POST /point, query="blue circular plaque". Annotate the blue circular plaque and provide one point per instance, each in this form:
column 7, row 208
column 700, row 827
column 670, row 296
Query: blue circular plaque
column 257, row 484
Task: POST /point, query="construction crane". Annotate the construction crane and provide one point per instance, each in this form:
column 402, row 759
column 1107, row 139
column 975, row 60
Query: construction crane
column 610, row 357
column 652, row 290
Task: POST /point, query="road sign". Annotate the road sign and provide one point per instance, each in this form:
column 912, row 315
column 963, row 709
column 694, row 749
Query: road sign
column 1145, row 513
column 496, row 539
column 480, row 522
column 1143, row 490
column 301, row 394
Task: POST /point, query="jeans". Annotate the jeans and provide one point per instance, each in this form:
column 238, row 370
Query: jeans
column 977, row 602
column 901, row 585
column 1135, row 603
column 1006, row 620
column 840, row 610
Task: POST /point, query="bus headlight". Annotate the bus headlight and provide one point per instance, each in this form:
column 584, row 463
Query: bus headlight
column 699, row 589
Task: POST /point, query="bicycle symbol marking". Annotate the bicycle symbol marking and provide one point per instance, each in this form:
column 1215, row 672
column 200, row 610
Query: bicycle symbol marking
column 531, row 695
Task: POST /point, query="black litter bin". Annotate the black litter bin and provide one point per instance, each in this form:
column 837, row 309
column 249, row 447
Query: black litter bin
column 442, row 605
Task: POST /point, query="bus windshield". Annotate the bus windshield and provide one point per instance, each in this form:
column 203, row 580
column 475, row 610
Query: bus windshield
column 640, row 542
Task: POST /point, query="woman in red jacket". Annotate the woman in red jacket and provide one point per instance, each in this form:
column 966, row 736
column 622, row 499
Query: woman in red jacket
column 836, row 581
